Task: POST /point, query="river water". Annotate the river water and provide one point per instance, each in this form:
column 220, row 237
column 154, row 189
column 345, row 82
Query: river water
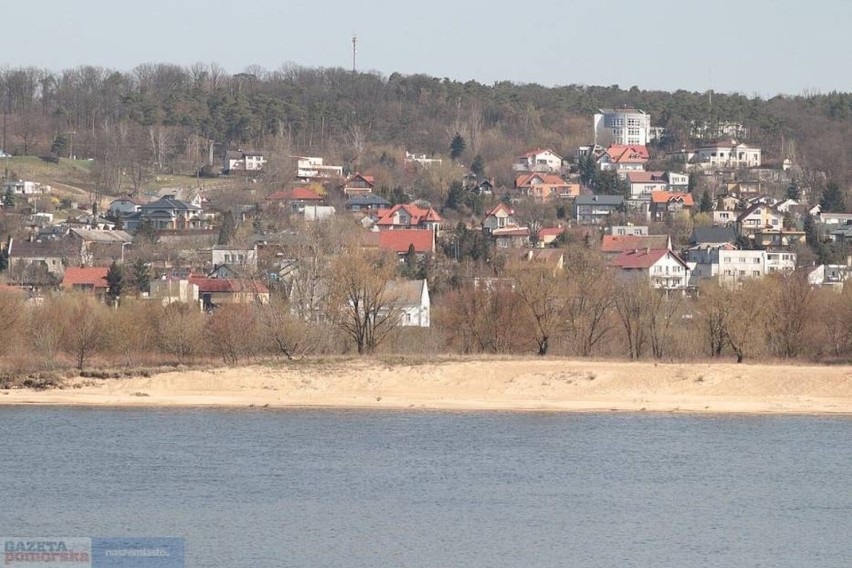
column 258, row 488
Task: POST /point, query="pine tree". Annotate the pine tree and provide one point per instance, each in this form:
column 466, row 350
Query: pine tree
column 115, row 281
column 140, row 276
column 457, row 146
column 832, row 199
column 706, row 204
column 477, row 166
column 793, row 191
column 9, row 199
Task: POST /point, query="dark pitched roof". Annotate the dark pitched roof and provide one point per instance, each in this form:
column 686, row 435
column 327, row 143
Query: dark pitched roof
column 613, row 200
column 713, row 235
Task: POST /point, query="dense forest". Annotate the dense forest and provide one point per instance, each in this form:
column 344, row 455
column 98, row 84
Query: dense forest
column 163, row 117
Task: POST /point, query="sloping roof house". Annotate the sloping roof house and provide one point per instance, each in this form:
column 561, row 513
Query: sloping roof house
column 664, row 268
column 544, row 187
column 408, row 216
column 89, row 279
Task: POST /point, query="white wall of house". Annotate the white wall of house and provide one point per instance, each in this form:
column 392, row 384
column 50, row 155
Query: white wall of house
column 238, row 257
column 544, row 161
column 738, row 156
column 669, row 273
column 628, row 126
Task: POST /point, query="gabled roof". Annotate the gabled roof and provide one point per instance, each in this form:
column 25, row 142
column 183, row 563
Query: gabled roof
column 646, row 177
column 621, row 243
column 667, row 196
column 418, row 215
column 538, row 151
column 749, row 210
column 169, row 203
column 367, row 200
column 526, row 180
column 702, row 235
column 54, row 248
column 100, row 236
column 405, row 292
column 550, row 232
column 643, row 258
column 295, row 194
column 511, row 232
column 626, row 154
column 228, row 285
column 500, row 207
column 399, row 240
column 94, row 276
column 371, row 181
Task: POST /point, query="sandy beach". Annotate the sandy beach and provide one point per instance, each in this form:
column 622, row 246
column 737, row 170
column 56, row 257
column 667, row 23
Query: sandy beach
column 476, row 384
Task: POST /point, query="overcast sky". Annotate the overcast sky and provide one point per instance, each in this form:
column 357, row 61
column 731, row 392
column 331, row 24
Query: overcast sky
column 748, row 46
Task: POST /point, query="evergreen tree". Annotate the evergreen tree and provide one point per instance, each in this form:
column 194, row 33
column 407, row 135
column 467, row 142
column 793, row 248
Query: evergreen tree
column 693, row 182
column 455, row 196
column 9, row 199
column 147, row 232
column 810, row 229
column 793, row 191
column 588, row 169
column 140, row 276
column 706, row 204
column 227, row 229
column 115, row 282
column 457, row 146
column 832, row 199
column 477, row 166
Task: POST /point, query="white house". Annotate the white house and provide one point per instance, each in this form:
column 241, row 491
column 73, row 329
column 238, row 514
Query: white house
column 728, row 154
column 21, row 187
column 422, row 159
column 237, row 160
column 731, row 265
column 411, row 299
column 234, row 256
column 539, row 160
column 309, row 167
column 663, row 267
column 622, row 126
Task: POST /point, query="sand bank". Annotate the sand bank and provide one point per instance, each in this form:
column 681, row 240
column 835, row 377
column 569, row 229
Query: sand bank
column 477, row 384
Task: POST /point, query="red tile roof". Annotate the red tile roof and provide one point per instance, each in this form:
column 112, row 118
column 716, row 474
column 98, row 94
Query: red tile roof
column 643, row 258
column 525, row 180
column 666, row 196
column 620, row 153
column 89, row 276
column 500, row 207
column 295, row 194
column 371, row 181
column 398, row 240
column 417, row 215
column 550, row 232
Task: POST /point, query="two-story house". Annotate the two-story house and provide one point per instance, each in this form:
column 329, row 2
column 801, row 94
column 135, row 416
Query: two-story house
column 668, row 204
column 593, row 209
column 623, row 158
column 359, row 184
column 539, row 160
column 240, row 161
column 408, row 216
column 757, row 219
column 168, row 213
column 545, row 187
column 663, row 267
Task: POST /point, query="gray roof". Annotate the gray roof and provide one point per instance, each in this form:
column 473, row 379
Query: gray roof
column 168, row 203
column 614, row 200
column 98, row 236
column 713, row 235
column 367, row 200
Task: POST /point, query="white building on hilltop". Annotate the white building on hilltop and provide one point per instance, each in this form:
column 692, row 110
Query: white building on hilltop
column 622, row 126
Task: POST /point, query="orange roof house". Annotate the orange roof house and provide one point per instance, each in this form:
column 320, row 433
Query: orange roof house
column 91, row 279
column 667, row 203
column 542, row 186
column 408, row 216
column 616, row 244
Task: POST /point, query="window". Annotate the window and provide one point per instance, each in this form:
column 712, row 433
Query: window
column 756, row 260
column 755, row 273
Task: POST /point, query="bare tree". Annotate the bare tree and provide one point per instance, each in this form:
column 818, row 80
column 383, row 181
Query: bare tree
column 789, row 301
column 362, row 306
column 84, row 332
column 541, row 292
column 180, row 329
column 745, row 318
column 632, row 305
column 287, row 334
column 589, row 299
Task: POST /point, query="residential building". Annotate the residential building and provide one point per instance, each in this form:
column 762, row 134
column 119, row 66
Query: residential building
column 548, row 236
column 359, row 185
column 833, row 276
column 614, row 245
column 410, row 298
column 545, row 187
column 627, row 230
column 539, row 160
column 408, row 216
column 478, row 185
column 240, row 161
column 643, row 184
column 593, row 209
column 758, row 218
column 731, row 265
column 21, row 187
column 663, row 267
column 713, row 236
column 623, row 158
column 421, row 159
column 668, row 204
column 367, row 203
column 86, row 279
column 173, row 290
column 629, row 127
column 499, row 217
column 309, row 168
column 217, row 291
column 511, row 237
column 167, row 213
column 100, row 247
column 728, row 154
column 297, row 198
column 401, row 240
column 239, row 257
column 40, row 263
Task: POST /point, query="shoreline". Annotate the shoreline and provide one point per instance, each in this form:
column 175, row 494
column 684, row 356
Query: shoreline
column 500, row 385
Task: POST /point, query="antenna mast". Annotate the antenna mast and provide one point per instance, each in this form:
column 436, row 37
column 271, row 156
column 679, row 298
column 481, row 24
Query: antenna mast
column 354, row 51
